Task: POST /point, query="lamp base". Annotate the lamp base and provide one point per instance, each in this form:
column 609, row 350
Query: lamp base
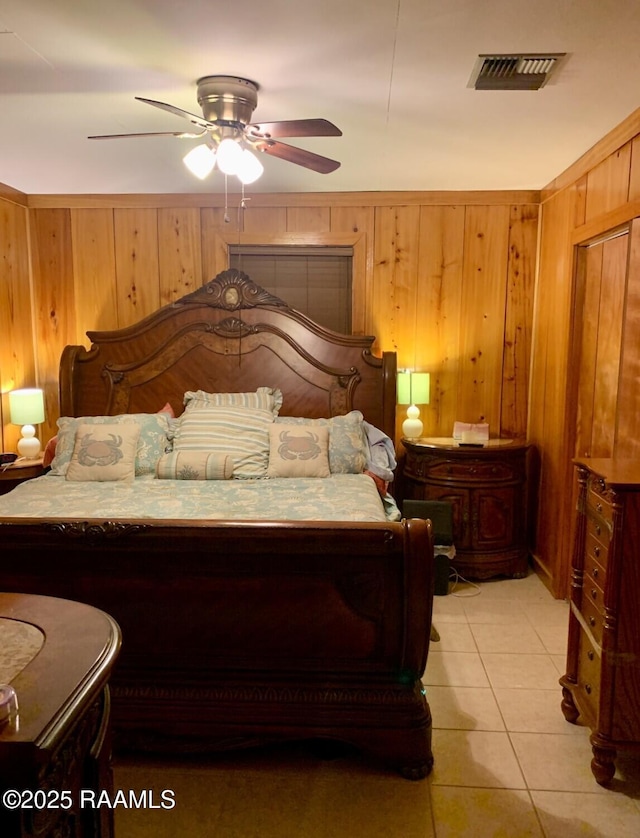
column 412, row 428
column 29, row 444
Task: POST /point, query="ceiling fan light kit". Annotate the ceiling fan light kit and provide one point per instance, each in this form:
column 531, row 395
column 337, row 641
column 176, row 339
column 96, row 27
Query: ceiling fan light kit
column 227, row 104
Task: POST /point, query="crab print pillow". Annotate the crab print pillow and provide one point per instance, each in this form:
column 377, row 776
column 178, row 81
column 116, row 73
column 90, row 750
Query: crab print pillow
column 104, row 452
column 298, row 451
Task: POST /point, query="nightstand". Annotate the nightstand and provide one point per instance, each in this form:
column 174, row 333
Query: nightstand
column 18, row 472
column 486, row 487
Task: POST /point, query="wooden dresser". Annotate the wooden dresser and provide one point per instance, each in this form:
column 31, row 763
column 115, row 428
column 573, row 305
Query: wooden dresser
column 601, row 687
column 486, row 487
column 57, row 745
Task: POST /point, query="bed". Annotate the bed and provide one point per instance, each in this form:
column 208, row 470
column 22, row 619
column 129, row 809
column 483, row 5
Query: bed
column 253, row 608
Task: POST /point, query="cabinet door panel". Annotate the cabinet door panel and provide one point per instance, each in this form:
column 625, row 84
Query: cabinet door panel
column 459, row 500
column 493, row 518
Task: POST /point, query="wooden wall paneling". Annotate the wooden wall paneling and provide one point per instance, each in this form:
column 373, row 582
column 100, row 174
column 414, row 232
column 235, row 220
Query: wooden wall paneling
column 586, row 320
column 308, row 219
column 580, row 201
column 359, row 220
column 523, row 235
column 551, row 457
column 608, row 183
column 627, row 442
column 439, row 305
column 264, row 219
column 213, row 227
column 92, row 237
column 482, row 318
column 137, row 270
column 17, row 359
column 394, row 316
column 634, row 175
column 605, row 402
column 54, row 302
column 179, row 252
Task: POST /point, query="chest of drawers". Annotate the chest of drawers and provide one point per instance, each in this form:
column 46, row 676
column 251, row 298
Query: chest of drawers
column 601, row 687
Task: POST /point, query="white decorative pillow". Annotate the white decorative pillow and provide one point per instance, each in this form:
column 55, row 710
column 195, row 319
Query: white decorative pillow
column 104, row 452
column 152, row 442
column 298, row 451
column 347, row 440
column 264, row 398
column 240, row 432
column 194, row 465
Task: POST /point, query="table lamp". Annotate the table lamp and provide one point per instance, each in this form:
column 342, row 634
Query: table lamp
column 26, row 408
column 413, row 389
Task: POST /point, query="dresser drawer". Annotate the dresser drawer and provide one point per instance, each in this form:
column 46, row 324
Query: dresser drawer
column 591, row 608
column 596, row 551
column 588, row 679
column 595, row 570
column 600, row 529
column 598, row 502
column 471, row 471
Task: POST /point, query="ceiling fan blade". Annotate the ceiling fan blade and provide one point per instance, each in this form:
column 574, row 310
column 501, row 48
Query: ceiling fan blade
column 182, row 134
column 197, row 120
column 301, row 156
column 294, row 128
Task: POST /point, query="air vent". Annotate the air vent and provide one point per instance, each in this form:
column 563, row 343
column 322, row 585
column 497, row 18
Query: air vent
column 529, row 71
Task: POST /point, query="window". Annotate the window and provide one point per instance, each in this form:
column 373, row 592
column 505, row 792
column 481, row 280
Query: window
column 313, row 280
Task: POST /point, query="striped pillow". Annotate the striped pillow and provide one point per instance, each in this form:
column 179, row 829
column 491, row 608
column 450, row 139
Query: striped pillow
column 240, row 432
column 264, row 398
column 194, row 465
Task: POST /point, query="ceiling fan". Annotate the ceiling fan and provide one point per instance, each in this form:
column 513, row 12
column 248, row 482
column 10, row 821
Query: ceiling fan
column 227, row 104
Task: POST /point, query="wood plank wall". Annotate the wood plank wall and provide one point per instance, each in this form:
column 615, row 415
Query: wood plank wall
column 597, row 194
column 444, row 279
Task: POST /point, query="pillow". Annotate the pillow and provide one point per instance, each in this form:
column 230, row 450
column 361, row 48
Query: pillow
column 347, row 440
column 194, row 465
column 264, row 398
column 240, row 432
column 298, row 451
column 104, row 452
column 152, row 442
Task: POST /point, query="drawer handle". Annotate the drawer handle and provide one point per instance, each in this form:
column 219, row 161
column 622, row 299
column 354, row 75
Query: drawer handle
column 594, row 593
column 596, row 551
column 598, row 529
column 592, row 621
column 598, row 507
column 587, row 689
column 596, row 572
column 590, row 654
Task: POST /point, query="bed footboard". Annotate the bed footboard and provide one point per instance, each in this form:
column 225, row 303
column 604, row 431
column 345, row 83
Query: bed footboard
column 237, row 633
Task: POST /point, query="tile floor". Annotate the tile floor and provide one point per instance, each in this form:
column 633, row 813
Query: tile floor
column 506, row 762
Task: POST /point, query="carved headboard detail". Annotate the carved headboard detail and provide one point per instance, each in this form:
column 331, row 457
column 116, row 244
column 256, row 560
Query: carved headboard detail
column 230, row 335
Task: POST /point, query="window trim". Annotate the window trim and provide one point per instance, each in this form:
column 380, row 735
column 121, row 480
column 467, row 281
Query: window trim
column 357, row 241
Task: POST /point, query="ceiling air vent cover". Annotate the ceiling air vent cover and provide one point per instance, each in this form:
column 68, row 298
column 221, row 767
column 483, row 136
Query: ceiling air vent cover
column 528, row 71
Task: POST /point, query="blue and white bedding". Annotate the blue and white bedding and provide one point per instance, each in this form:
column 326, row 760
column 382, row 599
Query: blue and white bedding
column 339, row 497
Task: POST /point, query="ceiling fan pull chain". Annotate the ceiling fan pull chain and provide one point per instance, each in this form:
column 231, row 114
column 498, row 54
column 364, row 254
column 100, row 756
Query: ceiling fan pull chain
column 227, row 219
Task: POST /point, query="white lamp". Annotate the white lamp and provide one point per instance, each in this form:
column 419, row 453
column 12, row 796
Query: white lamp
column 229, row 156
column 27, row 409
column 413, row 389
column 200, row 160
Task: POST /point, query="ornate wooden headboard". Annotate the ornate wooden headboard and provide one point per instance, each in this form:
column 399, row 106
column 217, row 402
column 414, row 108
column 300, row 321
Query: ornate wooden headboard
column 229, row 336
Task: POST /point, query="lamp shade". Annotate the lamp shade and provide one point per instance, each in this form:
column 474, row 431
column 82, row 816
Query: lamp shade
column 26, row 406
column 413, row 387
column 200, row 160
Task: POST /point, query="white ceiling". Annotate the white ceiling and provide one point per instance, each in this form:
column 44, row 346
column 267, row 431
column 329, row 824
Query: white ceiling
column 392, row 74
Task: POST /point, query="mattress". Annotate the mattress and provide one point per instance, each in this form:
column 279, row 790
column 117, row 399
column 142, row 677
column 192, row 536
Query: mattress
column 340, row 497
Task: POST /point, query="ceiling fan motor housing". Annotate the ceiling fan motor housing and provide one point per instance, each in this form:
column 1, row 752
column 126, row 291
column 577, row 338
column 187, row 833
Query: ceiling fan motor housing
column 227, row 98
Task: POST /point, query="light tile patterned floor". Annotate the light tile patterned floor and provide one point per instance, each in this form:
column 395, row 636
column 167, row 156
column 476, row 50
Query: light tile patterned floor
column 506, row 762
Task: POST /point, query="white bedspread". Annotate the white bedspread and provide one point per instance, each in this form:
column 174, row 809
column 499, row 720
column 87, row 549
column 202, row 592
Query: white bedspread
column 340, row 497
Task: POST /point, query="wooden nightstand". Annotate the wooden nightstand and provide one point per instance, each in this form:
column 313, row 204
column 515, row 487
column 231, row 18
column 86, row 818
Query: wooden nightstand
column 18, row 472
column 486, row 487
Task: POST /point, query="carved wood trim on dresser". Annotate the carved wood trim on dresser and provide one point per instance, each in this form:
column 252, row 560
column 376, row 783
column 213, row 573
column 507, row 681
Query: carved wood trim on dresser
column 601, row 686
